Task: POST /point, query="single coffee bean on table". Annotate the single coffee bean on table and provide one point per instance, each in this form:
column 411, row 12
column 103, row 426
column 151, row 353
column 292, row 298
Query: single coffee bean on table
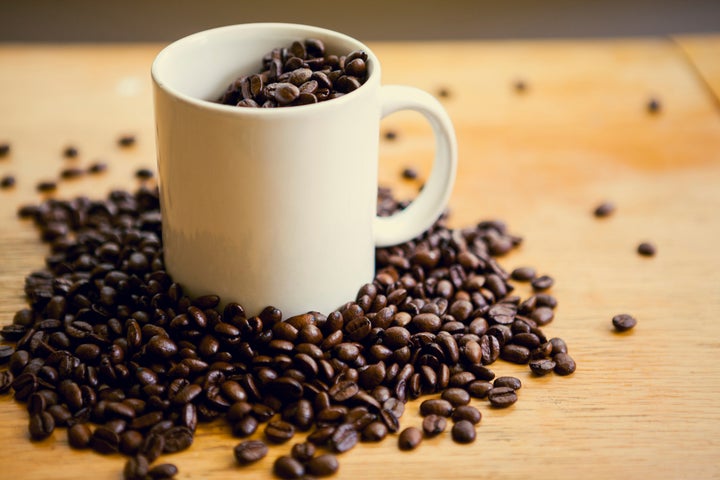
column 564, row 364
column 410, row 438
column 4, row 149
column 646, row 249
column 250, row 451
column 605, row 209
column 70, row 152
column 463, row 432
column 7, row 181
column 623, row 322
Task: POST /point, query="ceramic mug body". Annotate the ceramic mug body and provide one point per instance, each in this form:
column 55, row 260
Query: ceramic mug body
column 276, row 206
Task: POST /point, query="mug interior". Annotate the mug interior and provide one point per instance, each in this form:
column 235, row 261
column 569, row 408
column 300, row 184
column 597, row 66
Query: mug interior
column 199, row 67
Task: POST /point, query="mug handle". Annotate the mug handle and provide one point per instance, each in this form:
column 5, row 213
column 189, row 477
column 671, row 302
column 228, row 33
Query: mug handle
column 432, row 200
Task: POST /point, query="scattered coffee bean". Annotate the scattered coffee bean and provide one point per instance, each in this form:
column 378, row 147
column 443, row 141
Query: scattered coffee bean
column 523, row 274
column 70, row 152
column 479, row 388
column 605, row 209
column 409, row 438
column 409, row 173
column 463, row 432
column 278, row 431
column 542, row 366
column 97, row 167
column 163, row 471
column 287, row 467
column 653, row 106
column 144, row 173
column 646, row 249
column 46, row 186
column 467, row 412
column 542, row 283
column 71, row 172
column 126, row 140
column 6, row 352
column 456, row 396
column 564, row 364
column 4, row 149
column 7, row 181
column 6, row 380
column 433, row 425
column 41, row 425
column 444, row 92
column 323, row 465
column 502, row 397
column 391, row 135
column 439, row 407
column 250, row 451
column 303, row 452
column 511, row 382
column 374, row 432
column 520, row 86
column 623, row 322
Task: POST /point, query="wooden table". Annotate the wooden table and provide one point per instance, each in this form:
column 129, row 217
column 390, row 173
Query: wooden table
column 641, row 404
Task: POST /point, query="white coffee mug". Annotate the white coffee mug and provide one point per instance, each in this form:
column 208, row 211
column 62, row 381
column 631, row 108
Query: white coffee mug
column 277, row 206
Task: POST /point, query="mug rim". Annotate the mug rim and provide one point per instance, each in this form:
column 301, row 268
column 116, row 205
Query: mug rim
column 373, row 75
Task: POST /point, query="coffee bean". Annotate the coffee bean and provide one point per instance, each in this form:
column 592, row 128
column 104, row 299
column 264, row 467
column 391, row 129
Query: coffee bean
column 564, row 364
column 343, row 439
column 97, row 167
column 542, row 366
column 623, row 322
column 163, row 471
column 7, row 181
column 374, row 432
column 558, row 345
column 408, row 173
column 456, row 396
column 646, row 249
column 467, row 412
column 4, row 149
column 105, row 441
column 502, row 397
column 542, row 283
column 126, row 140
column 511, row 382
column 6, row 381
column 653, row 106
column 287, row 467
column 605, row 209
column 523, row 274
column 278, row 431
column 136, row 468
column 41, row 425
column 250, row 451
column 343, row 391
column 410, row 438
column 144, row 173
column 177, row 439
column 130, row 442
column 463, row 432
column 323, row 465
column 303, row 452
column 434, row 425
column 515, row 353
column 439, row 407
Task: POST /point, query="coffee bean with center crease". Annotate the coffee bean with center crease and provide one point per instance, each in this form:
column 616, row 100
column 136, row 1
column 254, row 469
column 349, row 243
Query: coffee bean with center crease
column 136, row 468
column 456, row 396
column 467, row 412
column 343, row 391
column 41, row 425
column 542, row 366
column 163, row 471
column 303, row 452
column 105, row 441
column 250, row 451
column 439, row 407
column 343, row 439
column 506, row 381
column 434, row 425
column 6, row 380
column 623, row 322
column 177, row 439
column 279, row 431
column 502, row 397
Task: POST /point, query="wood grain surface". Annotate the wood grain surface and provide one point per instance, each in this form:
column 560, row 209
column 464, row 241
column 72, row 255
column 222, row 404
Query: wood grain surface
column 641, row 404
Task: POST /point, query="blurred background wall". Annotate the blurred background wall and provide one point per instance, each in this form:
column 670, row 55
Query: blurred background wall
column 166, row 20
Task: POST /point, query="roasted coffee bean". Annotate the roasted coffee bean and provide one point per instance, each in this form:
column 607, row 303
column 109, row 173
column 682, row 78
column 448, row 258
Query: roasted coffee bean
column 467, row 412
column 7, row 181
column 6, row 381
column 70, row 151
column 105, row 441
column 564, row 364
column 558, row 345
column 410, row 438
column 126, row 140
column 623, row 322
column 463, row 431
column 303, row 452
column 323, row 465
column 502, row 397
column 343, row 391
column 434, row 425
column 343, row 439
column 25, row 385
column 374, row 432
column 130, row 442
column 523, row 274
column 515, row 353
column 542, row 283
column 439, row 407
column 163, row 471
column 653, row 106
column 456, row 396
column 4, row 149
column 97, row 167
column 542, row 315
column 6, row 351
column 279, row 431
column 153, row 446
column 287, row 467
column 177, row 439
column 408, row 173
column 136, row 468
column 605, row 209
column 250, row 451
column 511, row 382
column 245, row 427
column 41, row 425
column 542, row 366
column 144, row 173
column 79, row 435
column 13, row 333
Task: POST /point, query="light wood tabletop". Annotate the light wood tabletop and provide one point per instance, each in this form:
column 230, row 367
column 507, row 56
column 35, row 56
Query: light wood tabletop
column 641, row 404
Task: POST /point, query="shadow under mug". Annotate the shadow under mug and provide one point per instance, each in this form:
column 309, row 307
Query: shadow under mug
column 277, row 206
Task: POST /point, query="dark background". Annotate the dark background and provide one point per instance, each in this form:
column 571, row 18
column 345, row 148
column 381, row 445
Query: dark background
column 370, row 20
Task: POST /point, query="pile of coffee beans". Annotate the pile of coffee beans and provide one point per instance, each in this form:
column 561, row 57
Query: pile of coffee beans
column 112, row 349
column 301, row 74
